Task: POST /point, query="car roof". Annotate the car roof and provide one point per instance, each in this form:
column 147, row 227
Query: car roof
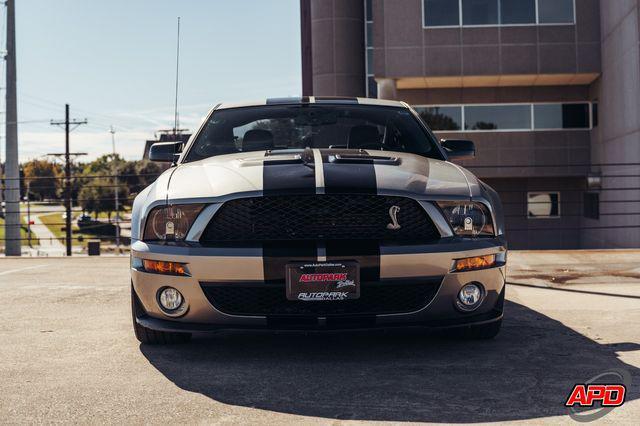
column 328, row 100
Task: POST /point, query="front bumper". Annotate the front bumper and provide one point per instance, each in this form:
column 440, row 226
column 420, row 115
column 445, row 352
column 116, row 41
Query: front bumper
column 241, row 265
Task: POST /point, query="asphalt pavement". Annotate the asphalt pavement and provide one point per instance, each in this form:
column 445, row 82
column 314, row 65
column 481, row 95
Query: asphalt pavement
column 68, row 354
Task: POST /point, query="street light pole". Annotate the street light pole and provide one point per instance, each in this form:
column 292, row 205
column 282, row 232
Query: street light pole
column 115, row 178
column 12, row 172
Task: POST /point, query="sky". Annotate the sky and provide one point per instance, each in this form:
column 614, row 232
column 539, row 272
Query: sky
column 114, row 63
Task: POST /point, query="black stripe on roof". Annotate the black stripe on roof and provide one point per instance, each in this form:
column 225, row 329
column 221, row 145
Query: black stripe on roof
column 335, row 100
column 291, row 100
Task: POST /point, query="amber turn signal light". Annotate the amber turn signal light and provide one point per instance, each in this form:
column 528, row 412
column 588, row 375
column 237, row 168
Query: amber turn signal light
column 166, row 268
column 471, row 263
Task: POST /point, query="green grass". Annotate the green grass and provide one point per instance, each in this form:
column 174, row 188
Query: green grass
column 55, row 224
column 104, row 215
column 23, row 234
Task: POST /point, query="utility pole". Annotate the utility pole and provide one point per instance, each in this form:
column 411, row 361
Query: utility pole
column 115, row 178
column 29, row 212
column 176, row 122
column 67, row 169
column 12, row 173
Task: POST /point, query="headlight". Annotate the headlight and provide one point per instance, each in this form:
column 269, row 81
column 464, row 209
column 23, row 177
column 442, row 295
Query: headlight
column 468, row 219
column 168, row 223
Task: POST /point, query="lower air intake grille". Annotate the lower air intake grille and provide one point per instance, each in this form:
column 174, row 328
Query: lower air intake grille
column 269, row 299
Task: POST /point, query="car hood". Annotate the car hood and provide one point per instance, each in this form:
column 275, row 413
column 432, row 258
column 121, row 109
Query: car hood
column 319, row 171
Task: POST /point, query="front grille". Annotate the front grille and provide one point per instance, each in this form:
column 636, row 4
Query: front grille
column 268, row 299
column 319, row 217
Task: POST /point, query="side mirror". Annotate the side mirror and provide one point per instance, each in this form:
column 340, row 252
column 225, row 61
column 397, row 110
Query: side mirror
column 166, row 152
column 459, row 149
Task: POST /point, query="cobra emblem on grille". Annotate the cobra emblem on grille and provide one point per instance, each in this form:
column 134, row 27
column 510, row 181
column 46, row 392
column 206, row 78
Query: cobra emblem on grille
column 393, row 213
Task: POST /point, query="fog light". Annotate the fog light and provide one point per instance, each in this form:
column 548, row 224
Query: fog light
column 470, row 296
column 170, row 299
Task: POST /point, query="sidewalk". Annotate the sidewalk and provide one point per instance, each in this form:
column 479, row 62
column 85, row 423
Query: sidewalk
column 50, row 245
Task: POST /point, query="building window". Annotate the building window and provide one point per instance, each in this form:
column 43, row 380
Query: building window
column 555, row 11
column 591, row 205
column 594, row 114
column 480, row 12
column 511, row 117
column 441, row 13
column 561, row 116
column 441, row 118
column 497, row 117
column 454, row 13
column 368, row 4
column 542, row 205
column 371, row 88
column 517, row 12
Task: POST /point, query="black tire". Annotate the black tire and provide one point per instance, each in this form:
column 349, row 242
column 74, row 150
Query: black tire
column 478, row 332
column 149, row 336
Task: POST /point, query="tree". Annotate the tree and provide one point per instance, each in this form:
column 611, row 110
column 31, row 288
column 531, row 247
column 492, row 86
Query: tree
column 42, row 176
column 98, row 196
column 97, row 183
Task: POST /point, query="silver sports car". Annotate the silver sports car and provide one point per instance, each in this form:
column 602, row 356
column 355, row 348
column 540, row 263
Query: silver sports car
column 316, row 213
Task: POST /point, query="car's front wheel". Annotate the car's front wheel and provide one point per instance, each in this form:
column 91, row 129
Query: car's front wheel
column 149, row 336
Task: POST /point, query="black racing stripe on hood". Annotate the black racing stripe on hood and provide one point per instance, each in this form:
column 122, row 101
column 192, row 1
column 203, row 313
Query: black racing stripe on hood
column 352, row 178
column 365, row 252
column 297, row 178
column 357, row 177
column 277, row 254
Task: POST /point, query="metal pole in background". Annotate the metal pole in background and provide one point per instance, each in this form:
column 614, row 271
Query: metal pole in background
column 115, row 178
column 29, row 212
column 67, row 179
column 67, row 170
column 12, row 173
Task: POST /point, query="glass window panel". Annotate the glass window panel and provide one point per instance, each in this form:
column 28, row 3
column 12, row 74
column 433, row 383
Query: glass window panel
column 369, row 34
column 439, row 13
column 441, row 118
column 369, row 7
column 518, row 11
column 372, row 87
column 555, row 11
column 480, row 12
column 591, row 203
column 498, row 117
column 543, row 204
column 594, row 114
column 561, row 116
column 575, row 116
column 548, row 116
column 369, row 61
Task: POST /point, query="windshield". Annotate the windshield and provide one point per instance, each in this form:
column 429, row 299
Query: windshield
column 312, row 126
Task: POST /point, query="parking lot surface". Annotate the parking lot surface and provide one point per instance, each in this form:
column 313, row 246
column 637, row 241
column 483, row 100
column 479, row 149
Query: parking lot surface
column 68, row 354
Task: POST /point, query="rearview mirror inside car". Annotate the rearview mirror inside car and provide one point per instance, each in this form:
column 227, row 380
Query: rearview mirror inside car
column 459, row 149
column 166, row 152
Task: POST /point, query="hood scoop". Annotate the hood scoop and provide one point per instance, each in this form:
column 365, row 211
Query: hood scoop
column 281, row 156
column 365, row 158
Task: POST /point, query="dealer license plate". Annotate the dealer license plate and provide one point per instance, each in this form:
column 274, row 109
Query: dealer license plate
column 323, row 281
